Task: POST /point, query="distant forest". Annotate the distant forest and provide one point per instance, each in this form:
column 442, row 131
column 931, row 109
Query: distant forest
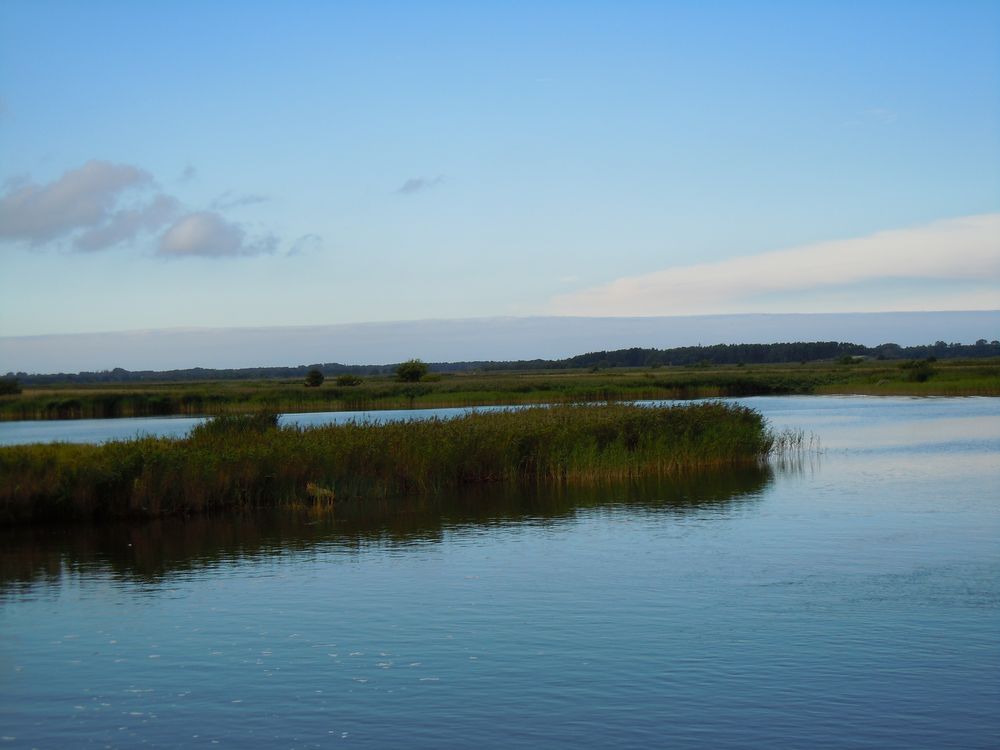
column 719, row 354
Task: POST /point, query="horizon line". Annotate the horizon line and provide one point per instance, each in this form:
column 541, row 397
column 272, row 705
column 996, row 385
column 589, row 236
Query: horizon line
column 481, row 318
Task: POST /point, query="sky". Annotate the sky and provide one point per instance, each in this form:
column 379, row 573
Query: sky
column 191, row 164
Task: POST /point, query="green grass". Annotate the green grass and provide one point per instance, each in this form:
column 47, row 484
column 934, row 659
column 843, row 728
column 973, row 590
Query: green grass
column 944, row 378
column 249, row 461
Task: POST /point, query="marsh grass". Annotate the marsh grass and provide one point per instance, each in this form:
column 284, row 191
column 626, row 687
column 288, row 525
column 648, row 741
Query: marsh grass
column 249, row 460
column 948, row 378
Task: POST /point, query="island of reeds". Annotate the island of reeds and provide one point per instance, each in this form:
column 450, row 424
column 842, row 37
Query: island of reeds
column 250, row 460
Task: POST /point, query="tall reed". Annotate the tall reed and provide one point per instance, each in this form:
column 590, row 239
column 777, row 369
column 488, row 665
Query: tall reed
column 250, row 460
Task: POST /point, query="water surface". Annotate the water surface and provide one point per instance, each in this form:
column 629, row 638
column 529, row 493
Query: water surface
column 849, row 599
column 126, row 428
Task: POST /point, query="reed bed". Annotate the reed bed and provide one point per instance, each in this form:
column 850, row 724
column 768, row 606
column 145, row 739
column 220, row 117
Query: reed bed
column 234, row 461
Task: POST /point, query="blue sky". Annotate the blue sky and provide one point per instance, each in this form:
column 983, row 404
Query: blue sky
column 251, row 164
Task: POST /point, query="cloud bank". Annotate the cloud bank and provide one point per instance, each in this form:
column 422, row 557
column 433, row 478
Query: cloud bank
column 209, row 235
column 103, row 205
column 81, row 198
column 468, row 339
column 127, row 224
column 929, row 261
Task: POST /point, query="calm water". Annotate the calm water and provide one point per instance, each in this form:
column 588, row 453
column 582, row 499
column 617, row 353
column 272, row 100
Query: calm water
column 851, row 599
column 102, row 430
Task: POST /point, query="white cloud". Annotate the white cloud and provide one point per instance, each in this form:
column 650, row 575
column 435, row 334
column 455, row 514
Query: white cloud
column 80, row 199
column 307, row 243
column 127, row 224
column 101, row 205
column 938, row 256
column 229, row 200
column 419, row 184
column 208, row 234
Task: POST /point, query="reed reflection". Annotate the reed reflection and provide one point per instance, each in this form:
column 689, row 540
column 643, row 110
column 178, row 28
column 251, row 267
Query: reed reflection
column 34, row 558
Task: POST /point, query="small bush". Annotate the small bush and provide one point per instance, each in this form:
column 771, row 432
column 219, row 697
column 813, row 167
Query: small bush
column 314, row 378
column 411, row 371
column 348, row 380
column 917, row 372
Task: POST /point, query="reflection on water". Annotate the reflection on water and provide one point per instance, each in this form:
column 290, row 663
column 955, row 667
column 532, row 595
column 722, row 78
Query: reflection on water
column 156, row 549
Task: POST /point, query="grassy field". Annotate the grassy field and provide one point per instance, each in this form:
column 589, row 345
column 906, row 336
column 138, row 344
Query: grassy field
column 246, row 461
column 943, row 378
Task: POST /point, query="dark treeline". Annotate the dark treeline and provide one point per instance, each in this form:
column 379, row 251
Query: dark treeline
column 718, row 354
column 781, row 353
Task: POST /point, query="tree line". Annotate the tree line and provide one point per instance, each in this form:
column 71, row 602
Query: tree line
column 718, row 354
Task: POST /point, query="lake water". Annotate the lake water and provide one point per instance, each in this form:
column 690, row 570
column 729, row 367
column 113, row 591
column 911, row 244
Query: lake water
column 102, row 430
column 847, row 599
column 125, row 428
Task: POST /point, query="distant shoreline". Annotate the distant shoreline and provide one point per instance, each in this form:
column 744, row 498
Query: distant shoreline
column 848, row 375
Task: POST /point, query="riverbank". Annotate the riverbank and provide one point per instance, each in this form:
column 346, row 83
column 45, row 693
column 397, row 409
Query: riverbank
column 869, row 377
column 246, row 461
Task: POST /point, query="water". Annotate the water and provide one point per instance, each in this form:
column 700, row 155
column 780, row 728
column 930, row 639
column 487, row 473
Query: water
column 125, row 428
column 849, row 599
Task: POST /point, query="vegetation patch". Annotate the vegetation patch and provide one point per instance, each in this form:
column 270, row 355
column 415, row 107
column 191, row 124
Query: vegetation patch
column 980, row 377
column 245, row 461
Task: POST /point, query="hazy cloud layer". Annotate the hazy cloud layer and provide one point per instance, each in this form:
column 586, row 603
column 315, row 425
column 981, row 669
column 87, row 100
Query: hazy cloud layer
column 80, row 199
column 964, row 250
column 465, row 339
column 419, row 184
column 208, row 234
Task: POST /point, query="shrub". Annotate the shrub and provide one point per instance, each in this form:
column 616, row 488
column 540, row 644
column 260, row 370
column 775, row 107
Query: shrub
column 917, row 372
column 348, row 380
column 411, row 371
column 314, row 378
